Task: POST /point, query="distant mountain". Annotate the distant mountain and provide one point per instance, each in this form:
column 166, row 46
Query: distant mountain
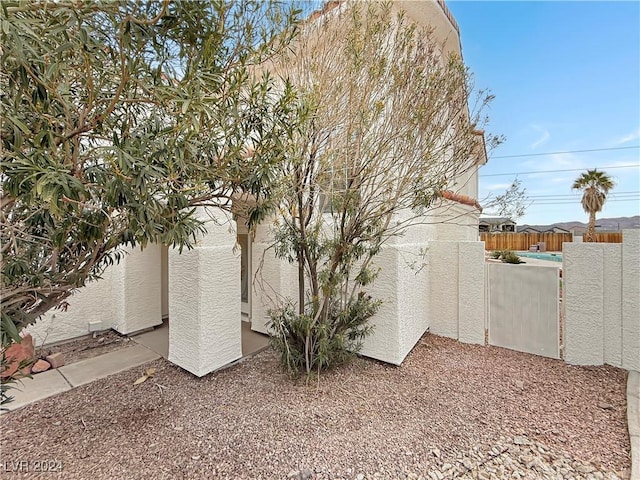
column 617, row 223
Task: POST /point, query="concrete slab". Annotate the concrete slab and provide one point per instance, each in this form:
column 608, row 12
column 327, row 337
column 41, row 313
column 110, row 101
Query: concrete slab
column 633, row 420
column 252, row 342
column 42, row 385
column 87, row 371
column 156, row 340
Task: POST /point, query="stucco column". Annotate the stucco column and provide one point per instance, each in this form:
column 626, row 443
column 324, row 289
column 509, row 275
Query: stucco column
column 631, row 299
column 137, row 290
column 273, row 280
column 204, row 299
column 403, row 286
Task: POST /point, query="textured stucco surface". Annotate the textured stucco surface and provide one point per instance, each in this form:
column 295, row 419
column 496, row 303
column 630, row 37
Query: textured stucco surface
column 91, row 303
column 443, row 288
column 165, row 280
column 631, row 299
column 471, row 292
column 137, row 290
column 523, row 308
column 612, row 306
column 412, row 297
column 457, row 290
column 204, row 302
column 384, row 343
column 127, row 299
column 602, row 302
column 583, row 275
column 272, row 279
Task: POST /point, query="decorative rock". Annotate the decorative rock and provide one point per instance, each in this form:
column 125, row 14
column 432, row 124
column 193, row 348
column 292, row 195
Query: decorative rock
column 585, row 469
column 17, row 353
column 605, row 406
column 55, row 359
column 519, row 384
column 40, row 366
column 520, row 440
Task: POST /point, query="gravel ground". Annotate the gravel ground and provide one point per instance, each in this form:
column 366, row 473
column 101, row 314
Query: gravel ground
column 87, row 346
column 450, row 411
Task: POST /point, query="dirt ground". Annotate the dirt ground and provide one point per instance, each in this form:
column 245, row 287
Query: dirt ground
column 450, row 411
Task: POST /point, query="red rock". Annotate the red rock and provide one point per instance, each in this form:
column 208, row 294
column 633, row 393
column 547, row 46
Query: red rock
column 17, row 353
column 40, row 366
column 55, row 359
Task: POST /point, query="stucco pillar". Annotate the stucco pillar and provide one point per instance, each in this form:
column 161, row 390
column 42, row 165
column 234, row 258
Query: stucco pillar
column 137, row 290
column 631, row 299
column 204, row 299
column 273, row 280
column 403, row 286
column 583, row 300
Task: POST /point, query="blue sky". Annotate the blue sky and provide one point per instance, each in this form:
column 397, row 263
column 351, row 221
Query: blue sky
column 566, row 76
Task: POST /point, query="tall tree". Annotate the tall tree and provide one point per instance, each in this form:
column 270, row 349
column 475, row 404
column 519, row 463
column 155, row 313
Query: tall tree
column 595, row 186
column 387, row 129
column 120, row 118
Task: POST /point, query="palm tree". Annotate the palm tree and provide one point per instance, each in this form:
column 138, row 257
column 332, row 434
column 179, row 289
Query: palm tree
column 596, row 186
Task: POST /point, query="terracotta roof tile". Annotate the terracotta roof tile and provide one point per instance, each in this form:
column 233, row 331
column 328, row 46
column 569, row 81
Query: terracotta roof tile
column 460, row 198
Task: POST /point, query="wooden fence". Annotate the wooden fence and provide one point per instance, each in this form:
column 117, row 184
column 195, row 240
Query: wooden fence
column 553, row 241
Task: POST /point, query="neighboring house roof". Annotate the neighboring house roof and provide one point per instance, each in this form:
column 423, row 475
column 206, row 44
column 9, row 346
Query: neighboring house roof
column 557, row 230
column 527, row 229
column 463, row 199
column 495, row 221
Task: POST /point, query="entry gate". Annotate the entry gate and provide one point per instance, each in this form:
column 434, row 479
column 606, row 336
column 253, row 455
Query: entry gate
column 523, row 304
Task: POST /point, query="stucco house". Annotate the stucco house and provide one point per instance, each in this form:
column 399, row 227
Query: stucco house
column 231, row 275
column 496, row 224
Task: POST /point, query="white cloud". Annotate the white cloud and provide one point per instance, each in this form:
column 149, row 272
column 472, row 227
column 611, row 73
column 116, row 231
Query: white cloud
column 628, row 138
column 498, row 186
column 545, row 135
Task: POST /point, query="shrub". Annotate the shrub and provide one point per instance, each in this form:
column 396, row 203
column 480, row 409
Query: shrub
column 510, row 257
column 495, row 254
column 306, row 343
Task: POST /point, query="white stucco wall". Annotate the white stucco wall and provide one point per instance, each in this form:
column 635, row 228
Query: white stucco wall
column 127, row 299
column 583, row 301
column 92, row 303
column 272, row 279
column 631, row 299
column 602, row 302
column 137, row 290
column 471, row 292
column 403, row 286
column 612, row 303
column 385, row 342
column 204, row 300
column 456, row 290
column 443, row 288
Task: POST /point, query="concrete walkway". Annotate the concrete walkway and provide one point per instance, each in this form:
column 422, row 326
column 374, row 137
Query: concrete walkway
column 65, row 378
column 146, row 347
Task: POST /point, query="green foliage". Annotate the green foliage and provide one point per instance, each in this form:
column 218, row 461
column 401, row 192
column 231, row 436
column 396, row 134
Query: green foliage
column 120, row 119
column 9, row 383
column 595, row 186
column 508, row 256
column 496, row 254
column 306, row 344
column 385, row 128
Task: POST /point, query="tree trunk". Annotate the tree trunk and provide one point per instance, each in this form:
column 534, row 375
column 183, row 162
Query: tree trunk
column 591, row 229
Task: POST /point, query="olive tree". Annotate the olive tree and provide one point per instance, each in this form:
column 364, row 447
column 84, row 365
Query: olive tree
column 119, row 120
column 387, row 129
